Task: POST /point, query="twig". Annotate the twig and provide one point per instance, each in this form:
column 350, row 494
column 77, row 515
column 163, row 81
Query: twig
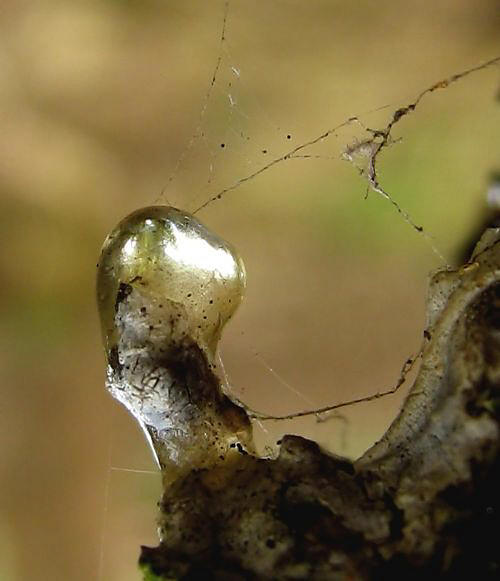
column 407, row 366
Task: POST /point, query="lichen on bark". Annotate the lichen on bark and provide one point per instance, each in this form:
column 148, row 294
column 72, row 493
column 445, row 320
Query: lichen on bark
column 423, row 500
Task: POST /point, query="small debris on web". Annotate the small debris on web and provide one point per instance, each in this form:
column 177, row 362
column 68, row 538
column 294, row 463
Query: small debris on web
column 370, row 149
column 362, row 154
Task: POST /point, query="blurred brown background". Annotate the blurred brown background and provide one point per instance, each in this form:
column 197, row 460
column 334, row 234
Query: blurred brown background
column 98, row 100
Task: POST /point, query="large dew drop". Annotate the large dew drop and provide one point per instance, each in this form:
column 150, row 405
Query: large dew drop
column 166, row 286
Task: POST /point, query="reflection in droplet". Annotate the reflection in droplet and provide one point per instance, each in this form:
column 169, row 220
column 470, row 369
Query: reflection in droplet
column 169, row 254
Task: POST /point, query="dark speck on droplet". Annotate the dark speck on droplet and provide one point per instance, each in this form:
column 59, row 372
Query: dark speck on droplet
column 223, row 145
column 241, row 450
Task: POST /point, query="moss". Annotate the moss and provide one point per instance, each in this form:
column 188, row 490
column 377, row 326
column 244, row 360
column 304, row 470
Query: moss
column 149, row 575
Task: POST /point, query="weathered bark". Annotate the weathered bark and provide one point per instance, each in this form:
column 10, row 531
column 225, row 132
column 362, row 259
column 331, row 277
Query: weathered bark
column 423, row 500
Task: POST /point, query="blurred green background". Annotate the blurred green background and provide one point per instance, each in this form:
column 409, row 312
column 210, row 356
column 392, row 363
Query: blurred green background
column 98, row 100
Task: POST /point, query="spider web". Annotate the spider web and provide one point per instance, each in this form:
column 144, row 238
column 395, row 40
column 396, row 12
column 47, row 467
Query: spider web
column 234, row 136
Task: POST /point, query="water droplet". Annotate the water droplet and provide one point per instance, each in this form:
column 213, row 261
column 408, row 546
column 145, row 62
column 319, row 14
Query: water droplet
column 165, row 253
column 166, row 286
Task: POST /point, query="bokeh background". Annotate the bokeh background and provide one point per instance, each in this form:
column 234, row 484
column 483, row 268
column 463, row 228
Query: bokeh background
column 98, row 101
